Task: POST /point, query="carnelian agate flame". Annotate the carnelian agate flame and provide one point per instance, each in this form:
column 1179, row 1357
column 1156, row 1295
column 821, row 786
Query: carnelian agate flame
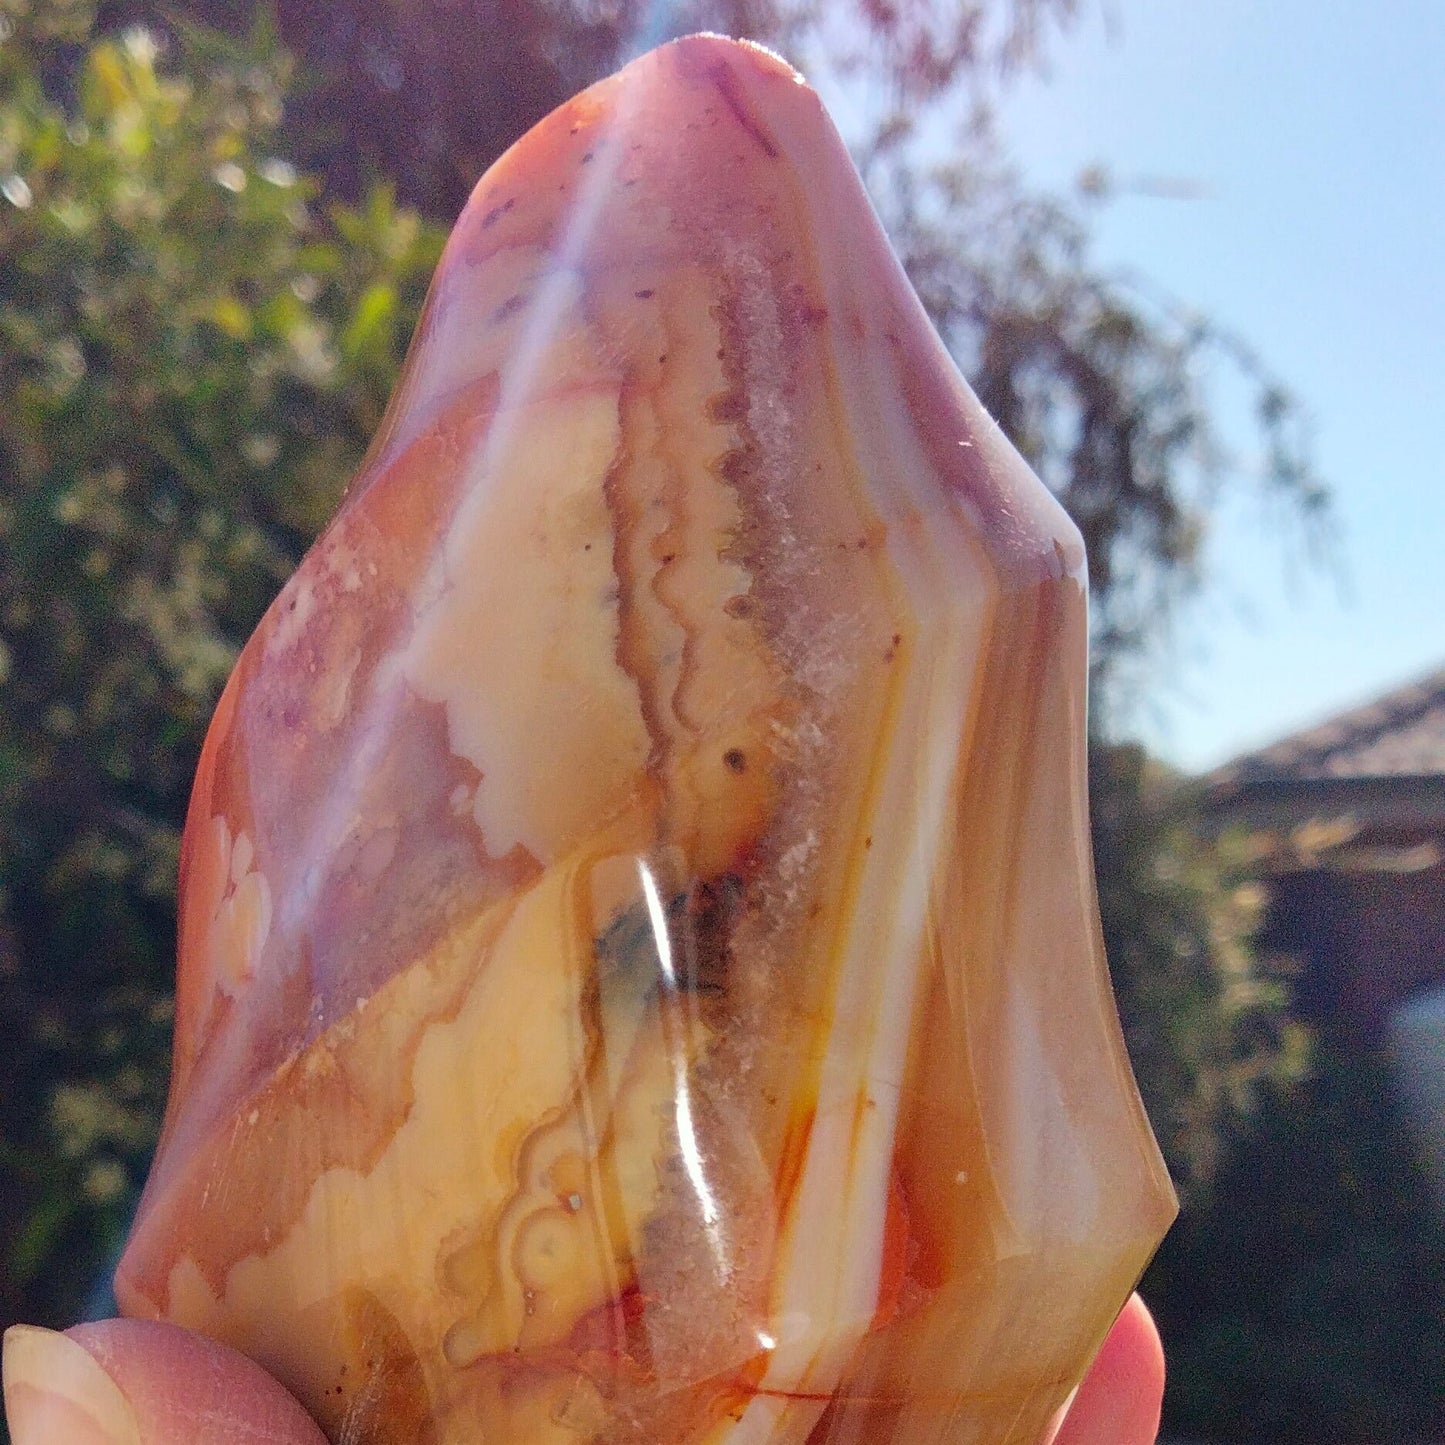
column 639, row 972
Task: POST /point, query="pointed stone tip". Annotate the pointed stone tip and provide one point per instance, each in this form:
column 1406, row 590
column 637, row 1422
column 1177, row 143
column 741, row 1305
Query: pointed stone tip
column 761, row 87
column 709, row 46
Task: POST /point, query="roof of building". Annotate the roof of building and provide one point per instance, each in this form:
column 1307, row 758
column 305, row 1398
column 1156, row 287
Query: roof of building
column 1377, row 771
column 1399, row 735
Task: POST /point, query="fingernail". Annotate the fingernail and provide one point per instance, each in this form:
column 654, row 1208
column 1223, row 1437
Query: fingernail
column 56, row 1393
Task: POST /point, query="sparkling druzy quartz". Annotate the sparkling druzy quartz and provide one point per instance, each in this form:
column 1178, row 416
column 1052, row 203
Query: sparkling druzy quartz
column 639, row 976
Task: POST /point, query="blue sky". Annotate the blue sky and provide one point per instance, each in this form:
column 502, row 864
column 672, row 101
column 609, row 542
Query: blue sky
column 1315, row 136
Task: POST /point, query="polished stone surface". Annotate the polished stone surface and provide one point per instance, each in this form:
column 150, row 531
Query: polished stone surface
column 640, row 978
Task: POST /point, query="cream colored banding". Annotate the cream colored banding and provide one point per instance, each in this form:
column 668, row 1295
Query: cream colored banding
column 831, row 1246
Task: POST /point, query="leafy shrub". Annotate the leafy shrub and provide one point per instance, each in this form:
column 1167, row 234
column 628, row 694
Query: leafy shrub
column 1307, row 1302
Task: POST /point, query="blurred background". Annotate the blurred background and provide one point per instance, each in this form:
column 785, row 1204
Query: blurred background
column 1184, row 254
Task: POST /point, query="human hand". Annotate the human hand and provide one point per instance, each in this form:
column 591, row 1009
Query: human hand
column 135, row 1382
column 1119, row 1400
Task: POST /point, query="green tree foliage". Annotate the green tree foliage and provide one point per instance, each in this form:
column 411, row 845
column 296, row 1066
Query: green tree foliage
column 1311, row 1305
column 1207, row 1021
column 192, row 358
column 426, row 95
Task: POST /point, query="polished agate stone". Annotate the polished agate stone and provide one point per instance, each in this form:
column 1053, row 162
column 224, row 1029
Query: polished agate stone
column 640, row 978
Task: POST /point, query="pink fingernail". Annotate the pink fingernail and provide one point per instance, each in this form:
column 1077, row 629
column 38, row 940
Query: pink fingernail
column 56, row 1393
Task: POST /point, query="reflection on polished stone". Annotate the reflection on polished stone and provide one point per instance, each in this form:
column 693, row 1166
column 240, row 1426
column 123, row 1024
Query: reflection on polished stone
column 639, row 973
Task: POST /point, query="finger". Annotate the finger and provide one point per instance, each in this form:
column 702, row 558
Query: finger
column 136, row 1382
column 1120, row 1399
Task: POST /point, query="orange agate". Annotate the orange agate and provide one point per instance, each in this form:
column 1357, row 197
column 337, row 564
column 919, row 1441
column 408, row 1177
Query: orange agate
column 639, row 971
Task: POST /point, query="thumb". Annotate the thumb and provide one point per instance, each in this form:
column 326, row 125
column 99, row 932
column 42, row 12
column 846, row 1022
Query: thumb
column 138, row 1382
column 1119, row 1401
